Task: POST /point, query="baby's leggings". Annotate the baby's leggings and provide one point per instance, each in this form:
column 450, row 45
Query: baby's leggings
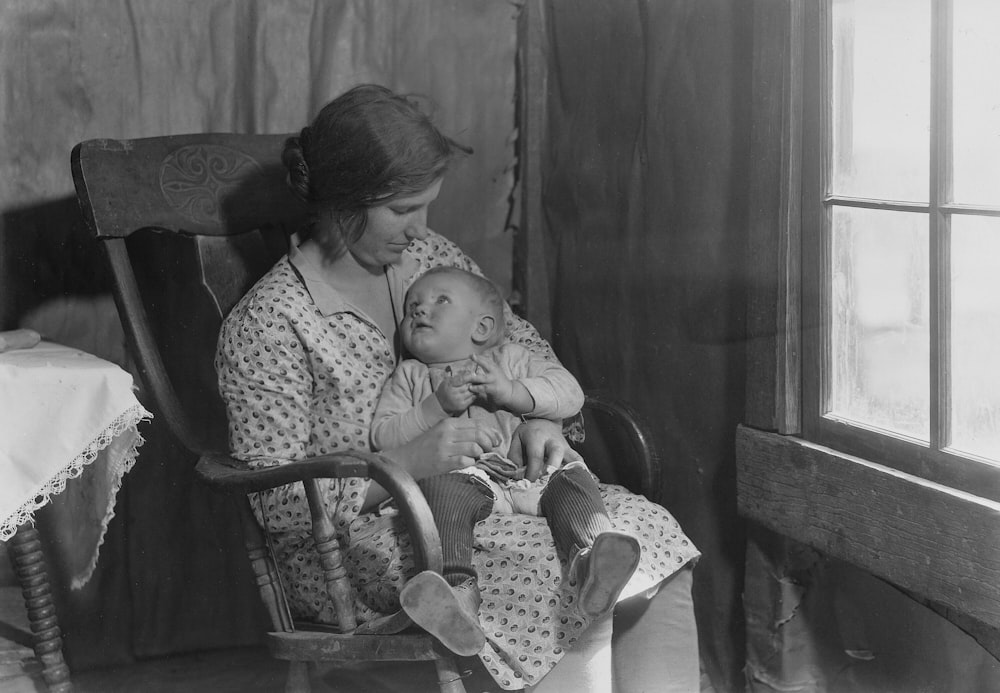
column 457, row 504
column 572, row 504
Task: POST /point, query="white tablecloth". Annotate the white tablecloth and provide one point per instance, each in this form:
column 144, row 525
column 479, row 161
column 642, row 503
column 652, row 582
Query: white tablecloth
column 65, row 413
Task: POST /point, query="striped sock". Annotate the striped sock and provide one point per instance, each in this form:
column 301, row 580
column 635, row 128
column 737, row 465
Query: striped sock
column 572, row 504
column 457, row 505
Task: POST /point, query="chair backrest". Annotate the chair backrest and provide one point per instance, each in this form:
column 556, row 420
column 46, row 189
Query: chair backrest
column 189, row 223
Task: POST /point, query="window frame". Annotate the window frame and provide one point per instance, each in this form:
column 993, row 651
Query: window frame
column 935, row 543
column 934, row 462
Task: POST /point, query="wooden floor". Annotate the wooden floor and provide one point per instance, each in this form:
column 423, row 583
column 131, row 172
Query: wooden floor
column 242, row 670
column 246, row 670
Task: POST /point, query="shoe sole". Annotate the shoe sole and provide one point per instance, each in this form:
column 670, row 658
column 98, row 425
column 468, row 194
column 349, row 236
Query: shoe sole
column 613, row 558
column 429, row 601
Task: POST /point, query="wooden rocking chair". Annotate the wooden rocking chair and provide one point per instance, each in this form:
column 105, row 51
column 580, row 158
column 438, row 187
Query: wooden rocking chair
column 189, row 223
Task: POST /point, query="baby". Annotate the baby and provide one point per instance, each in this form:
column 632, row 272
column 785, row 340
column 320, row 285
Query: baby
column 453, row 327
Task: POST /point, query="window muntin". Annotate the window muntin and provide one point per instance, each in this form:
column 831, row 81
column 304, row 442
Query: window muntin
column 901, row 226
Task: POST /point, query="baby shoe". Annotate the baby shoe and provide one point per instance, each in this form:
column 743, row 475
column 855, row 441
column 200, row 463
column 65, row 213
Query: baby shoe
column 450, row 614
column 603, row 570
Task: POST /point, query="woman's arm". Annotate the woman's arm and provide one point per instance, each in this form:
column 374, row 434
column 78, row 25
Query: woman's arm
column 449, row 445
column 268, row 404
column 267, row 400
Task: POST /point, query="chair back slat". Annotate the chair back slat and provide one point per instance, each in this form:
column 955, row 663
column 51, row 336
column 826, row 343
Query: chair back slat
column 206, row 184
column 190, row 222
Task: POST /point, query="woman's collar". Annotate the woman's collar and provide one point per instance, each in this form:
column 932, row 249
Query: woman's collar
column 328, row 300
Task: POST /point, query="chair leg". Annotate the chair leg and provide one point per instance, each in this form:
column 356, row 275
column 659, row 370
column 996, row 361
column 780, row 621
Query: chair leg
column 298, row 678
column 264, row 571
column 449, row 677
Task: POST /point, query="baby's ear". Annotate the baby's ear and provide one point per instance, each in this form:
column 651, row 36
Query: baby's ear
column 482, row 331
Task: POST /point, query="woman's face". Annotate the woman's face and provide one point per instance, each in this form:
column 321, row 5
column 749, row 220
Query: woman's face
column 392, row 227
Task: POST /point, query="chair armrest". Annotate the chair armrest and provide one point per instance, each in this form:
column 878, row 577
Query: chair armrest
column 229, row 474
column 630, row 430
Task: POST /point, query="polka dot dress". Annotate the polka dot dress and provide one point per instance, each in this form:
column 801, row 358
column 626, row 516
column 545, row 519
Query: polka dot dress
column 298, row 383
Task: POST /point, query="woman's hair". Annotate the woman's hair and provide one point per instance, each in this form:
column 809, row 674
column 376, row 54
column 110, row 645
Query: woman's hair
column 364, row 148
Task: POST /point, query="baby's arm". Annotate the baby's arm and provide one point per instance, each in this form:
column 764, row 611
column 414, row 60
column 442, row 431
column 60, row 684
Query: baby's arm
column 406, row 408
column 528, row 384
column 491, row 382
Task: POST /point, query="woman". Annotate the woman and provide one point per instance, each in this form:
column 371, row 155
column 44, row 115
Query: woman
column 301, row 362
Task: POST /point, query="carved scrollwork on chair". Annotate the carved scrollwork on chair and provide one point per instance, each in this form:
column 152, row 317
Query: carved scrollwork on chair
column 195, row 178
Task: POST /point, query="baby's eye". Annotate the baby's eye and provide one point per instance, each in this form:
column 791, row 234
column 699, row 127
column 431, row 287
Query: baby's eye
column 443, row 299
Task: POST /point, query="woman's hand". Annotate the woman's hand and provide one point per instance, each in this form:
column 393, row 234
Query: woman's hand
column 450, row 444
column 539, row 443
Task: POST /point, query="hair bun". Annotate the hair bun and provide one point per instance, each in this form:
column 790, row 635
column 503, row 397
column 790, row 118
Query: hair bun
column 293, row 157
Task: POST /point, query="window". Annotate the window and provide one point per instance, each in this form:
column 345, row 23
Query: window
column 901, row 236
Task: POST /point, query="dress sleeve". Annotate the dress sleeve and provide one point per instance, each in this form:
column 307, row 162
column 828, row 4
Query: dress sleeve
column 266, row 384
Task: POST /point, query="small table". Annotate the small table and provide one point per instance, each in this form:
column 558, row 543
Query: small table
column 66, row 416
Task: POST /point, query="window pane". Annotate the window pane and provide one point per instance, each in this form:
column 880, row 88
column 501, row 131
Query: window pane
column 879, row 336
column 975, row 335
column 881, row 109
column 977, row 102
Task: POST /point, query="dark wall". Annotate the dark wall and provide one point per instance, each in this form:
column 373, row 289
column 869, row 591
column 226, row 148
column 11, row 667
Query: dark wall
column 644, row 193
column 174, row 545
column 48, row 254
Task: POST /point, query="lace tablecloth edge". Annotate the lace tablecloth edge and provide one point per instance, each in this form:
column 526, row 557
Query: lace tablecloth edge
column 57, row 484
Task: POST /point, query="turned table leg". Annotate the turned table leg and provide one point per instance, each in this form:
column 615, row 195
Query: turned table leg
column 25, row 550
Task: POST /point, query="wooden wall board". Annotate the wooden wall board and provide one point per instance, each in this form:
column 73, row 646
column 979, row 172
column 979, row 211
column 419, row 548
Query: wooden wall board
column 935, row 542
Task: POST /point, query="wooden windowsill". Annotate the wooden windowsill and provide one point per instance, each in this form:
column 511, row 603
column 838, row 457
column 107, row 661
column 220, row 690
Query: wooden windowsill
column 939, row 544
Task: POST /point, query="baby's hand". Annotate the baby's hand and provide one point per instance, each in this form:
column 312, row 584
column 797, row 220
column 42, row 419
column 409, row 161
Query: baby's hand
column 490, row 382
column 455, row 394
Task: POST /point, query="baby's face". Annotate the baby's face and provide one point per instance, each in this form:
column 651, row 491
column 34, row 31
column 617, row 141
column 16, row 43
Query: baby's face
column 440, row 317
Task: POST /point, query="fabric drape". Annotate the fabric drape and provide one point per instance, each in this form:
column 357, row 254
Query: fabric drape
column 645, row 201
column 173, row 575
